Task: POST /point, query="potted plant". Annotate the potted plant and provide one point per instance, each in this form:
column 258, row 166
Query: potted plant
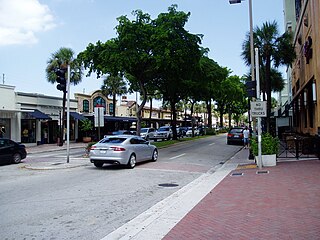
column 86, row 126
column 269, row 149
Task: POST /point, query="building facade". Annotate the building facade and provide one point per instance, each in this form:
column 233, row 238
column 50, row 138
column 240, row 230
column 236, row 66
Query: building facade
column 306, row 68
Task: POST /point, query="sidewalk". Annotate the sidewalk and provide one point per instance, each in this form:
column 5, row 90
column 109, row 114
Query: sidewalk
column 237, row 201
column 43, row 165
column 53, row 147
column 283, row 203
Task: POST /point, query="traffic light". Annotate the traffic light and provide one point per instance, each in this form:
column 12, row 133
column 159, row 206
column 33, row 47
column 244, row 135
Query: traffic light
column 61, row 79
column 251, row 88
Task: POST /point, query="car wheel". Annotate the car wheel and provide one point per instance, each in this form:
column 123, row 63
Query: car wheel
column 98, row 164
column 155, row 155
column 132, row 161
column 16, row 158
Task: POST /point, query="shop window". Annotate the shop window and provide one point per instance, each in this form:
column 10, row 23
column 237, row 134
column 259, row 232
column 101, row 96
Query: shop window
column 28, row 131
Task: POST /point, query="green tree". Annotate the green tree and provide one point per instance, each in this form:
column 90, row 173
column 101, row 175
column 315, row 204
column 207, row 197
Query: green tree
column 113, row 86
column 211, row 75
column 177, row 53
column 274, row 49
column 61, row 59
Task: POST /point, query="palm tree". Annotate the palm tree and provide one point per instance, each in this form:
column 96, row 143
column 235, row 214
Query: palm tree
column 113, row 86
column 60, row 60
column 274, row 49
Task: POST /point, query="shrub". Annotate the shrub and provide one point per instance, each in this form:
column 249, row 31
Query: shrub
column 269, row 144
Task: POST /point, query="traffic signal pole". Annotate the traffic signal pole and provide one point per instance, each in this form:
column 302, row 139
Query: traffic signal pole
column 68, row 113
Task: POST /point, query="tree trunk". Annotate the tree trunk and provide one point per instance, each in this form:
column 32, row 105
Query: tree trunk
column 150, row 112
column 114, row 104
column 209, row 110
column 221, row 117
column 229, row 116
column 174, row 119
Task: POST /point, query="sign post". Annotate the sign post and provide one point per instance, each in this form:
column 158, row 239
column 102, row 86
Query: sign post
column 260, row 108
column 99, row 118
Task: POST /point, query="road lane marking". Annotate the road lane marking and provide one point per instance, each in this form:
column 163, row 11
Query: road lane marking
column 212, row 144
column 178, row 156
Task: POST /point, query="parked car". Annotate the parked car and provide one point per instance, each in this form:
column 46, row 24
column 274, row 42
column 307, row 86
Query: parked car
column 189, row 132
column 183, row 131
column 147, row 133
column 163, row 133
column 122, row 149
column 11, row 151
column 235, row 135
column 123, row 132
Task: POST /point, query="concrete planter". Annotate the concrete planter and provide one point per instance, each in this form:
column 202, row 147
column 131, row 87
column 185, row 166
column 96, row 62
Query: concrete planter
column 268, row 160
column 86, row 139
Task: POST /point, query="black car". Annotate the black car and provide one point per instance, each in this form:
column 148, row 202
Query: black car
column 235, row 135
column 11, row 151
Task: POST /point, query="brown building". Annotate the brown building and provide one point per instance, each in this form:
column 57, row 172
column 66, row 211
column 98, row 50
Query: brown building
column 306, row 68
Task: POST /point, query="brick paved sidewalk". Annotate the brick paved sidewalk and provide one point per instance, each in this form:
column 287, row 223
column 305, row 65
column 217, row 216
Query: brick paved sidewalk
column 281, row 204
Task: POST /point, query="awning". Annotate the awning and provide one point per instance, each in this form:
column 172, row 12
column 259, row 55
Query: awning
column 77, row 116
column 39, row 115
column 119, row 119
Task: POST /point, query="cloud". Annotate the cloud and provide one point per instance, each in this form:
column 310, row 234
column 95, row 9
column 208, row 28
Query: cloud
column 21, row 20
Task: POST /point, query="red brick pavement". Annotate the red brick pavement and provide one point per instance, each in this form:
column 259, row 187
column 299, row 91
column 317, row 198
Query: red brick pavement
column 281, row 204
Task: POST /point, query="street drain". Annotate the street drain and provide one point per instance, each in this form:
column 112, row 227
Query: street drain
column 168, row 185
column 262, row 172
column 237, row 174
column 58, row 163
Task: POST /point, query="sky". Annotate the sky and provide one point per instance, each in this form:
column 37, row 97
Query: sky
column 32, row 30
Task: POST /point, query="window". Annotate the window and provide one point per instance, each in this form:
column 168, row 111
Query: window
column 85, row 104
column 111, row 108
column 99, row 102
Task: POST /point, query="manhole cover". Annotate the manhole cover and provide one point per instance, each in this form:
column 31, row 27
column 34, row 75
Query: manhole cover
column 168, row 185
column 237, row 174
column 262, row 172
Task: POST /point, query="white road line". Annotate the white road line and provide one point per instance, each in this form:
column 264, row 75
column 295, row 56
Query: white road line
column 178, row 156
column 212, row 144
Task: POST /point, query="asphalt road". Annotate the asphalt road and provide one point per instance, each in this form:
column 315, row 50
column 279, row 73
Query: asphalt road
column 89, row 203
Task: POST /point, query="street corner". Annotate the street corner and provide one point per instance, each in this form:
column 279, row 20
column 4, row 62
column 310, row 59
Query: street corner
column 54, row 166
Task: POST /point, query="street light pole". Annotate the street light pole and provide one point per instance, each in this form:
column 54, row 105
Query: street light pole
column 251, row 39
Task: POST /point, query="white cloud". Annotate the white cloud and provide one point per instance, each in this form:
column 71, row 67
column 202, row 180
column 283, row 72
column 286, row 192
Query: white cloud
column 20, row 20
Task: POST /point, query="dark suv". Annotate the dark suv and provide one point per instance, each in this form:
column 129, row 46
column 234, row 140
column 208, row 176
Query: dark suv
column 235, row 135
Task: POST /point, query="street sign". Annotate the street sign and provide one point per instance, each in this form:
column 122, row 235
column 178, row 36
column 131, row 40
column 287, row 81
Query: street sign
column 258, row 108
column 99, row 117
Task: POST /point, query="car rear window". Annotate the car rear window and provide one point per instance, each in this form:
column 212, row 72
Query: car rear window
column 236, row 130
column 113, row 140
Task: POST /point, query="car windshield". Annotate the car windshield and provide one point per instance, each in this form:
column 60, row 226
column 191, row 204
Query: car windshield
column 113, row 140
column 163, row 129
column 236, row 130
column 144, row 130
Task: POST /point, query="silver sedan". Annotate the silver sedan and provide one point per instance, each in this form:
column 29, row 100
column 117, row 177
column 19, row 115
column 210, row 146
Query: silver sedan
column 122, row 149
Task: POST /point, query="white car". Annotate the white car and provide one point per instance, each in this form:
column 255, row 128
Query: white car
column 122, row 149
column 163, row 133
column 147, row 133
column 189, row 132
